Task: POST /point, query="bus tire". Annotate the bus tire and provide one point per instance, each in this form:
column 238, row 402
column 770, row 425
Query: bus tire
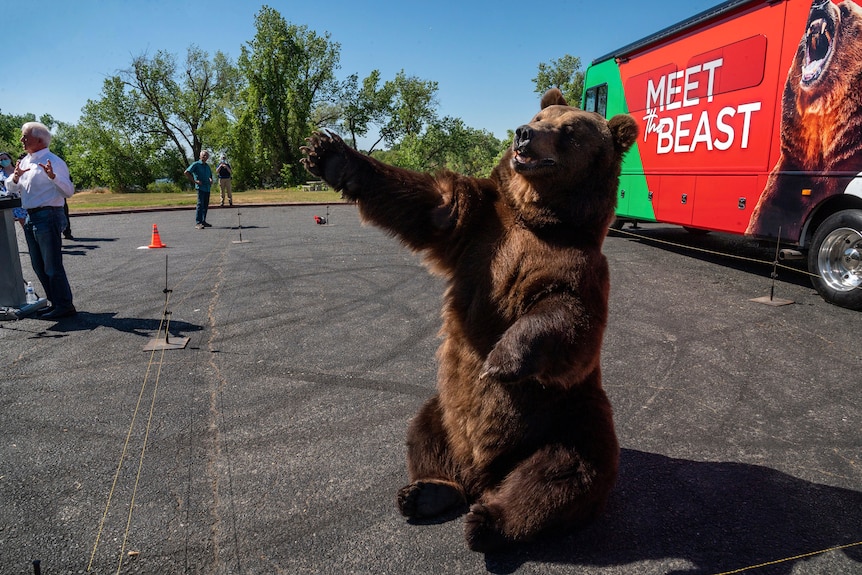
column 835, row 259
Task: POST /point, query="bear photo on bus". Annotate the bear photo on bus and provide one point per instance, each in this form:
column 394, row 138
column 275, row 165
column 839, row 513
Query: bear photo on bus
column 821, row 120
column 821, row 152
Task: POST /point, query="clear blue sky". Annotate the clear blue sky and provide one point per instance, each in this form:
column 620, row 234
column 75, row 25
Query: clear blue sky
column 483, row 55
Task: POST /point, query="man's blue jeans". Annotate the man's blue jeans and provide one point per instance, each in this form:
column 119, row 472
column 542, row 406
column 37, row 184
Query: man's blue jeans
column 202, row 207
column 43, row 231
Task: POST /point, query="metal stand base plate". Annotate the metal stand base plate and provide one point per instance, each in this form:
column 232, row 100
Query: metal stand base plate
column 775, row 301
column 167, row 343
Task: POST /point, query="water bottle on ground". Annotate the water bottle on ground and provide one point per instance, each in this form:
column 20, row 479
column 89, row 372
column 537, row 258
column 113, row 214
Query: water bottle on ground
column 31, row 294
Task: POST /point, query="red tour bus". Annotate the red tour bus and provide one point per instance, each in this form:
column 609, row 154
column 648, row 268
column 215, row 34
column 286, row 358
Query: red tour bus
column 751, row 123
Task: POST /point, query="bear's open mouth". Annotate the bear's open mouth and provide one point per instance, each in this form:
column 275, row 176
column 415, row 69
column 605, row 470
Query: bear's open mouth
column 523, row 163
column 819, row 44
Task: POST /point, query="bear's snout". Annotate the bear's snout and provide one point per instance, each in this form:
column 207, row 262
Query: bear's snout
column 523, row 135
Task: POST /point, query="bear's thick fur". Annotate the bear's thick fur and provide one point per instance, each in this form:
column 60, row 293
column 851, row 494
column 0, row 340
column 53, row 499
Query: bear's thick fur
column 821, row 121
column 520, row 428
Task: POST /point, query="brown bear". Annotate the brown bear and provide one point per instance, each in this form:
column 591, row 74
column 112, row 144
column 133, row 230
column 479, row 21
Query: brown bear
column 821, row 122
column 520, row 428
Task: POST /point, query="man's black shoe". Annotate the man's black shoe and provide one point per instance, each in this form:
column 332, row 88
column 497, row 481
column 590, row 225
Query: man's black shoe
column 58, row 313
column 206, row 225
column 43, row 311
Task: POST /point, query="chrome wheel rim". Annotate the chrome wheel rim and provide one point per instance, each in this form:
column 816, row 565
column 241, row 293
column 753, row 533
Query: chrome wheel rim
column 840, row 259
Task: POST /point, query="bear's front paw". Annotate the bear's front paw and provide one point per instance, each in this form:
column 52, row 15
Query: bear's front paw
column 428, row 499
column 504, row 365
column 325, row 157
column 481, row 530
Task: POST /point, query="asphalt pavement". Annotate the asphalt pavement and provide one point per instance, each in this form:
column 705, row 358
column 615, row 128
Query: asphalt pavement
column 273, row 442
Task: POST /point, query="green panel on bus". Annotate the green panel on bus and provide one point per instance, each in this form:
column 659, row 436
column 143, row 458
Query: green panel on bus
column 633, row 197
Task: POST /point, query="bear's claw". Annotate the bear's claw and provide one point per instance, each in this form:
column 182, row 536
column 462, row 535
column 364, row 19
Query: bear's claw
column 322, row 146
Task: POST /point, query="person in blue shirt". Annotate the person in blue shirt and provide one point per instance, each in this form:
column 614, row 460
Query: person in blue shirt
column 200, row 174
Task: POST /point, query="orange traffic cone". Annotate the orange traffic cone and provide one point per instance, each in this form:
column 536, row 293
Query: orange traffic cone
column 156, row 242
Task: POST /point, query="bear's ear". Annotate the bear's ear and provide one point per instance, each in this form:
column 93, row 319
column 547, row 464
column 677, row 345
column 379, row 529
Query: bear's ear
column 624, row 130
column 553, row 97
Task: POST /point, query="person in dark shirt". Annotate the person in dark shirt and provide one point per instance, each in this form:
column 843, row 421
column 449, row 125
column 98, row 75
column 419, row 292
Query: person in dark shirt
column 224, row 172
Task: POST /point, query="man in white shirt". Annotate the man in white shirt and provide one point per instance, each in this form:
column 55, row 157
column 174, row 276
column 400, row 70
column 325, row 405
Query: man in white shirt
column 42, row 180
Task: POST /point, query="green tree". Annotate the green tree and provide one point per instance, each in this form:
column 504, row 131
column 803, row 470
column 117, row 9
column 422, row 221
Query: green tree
column 564, row 74
column 448, row 144
column 414, row 105
column 150, row 120
column 365, row 105
column 220, row 130
column 10, row 132
column 288, row 71
column 111, row 145
column 175, row 104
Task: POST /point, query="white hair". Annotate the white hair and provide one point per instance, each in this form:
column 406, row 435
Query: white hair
column 38, row 130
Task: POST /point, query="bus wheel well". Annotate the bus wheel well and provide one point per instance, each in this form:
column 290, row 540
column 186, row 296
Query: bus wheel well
column 831, row 206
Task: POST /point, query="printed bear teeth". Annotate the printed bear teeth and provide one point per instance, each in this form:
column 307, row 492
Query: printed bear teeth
column 818, row 48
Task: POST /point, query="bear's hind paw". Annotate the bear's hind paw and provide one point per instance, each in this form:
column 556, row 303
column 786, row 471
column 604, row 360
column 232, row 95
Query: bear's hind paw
column 480, row 530
column 422, row 499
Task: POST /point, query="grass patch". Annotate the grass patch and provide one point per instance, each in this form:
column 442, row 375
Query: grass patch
column 103, row 199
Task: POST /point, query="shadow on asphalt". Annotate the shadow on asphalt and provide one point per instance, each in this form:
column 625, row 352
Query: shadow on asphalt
column 79, row 239
column 733, row 252
column 246, row 227
column 715, row 516
column 145, row 327
column 81, row 246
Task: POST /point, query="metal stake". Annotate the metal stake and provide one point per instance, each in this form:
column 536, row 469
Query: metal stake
column 239, row 222
column 772, row 300
column 166, row 343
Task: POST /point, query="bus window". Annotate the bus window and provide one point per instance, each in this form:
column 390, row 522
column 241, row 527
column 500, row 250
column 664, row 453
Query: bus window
column 596, row 99
column 602, row 105
column 590, row 100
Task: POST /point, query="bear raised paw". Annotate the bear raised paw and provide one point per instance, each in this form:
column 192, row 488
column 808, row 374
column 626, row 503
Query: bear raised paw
column 520, row 434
